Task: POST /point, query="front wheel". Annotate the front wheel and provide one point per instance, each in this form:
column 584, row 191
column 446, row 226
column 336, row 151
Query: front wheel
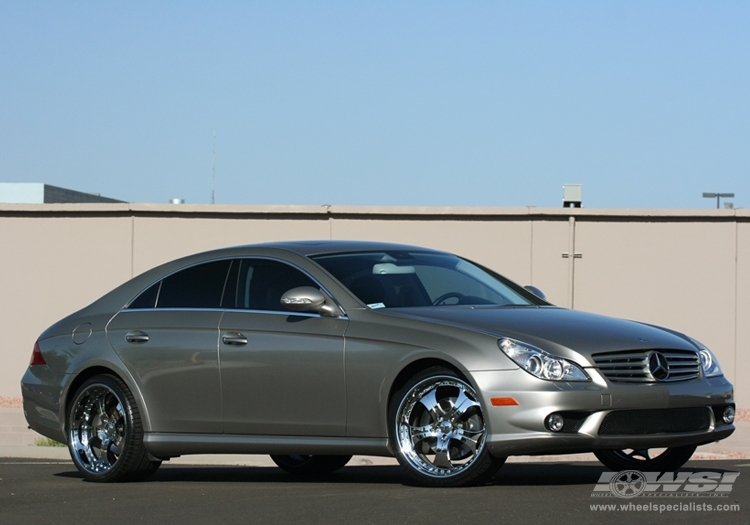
column 438, row 431
column 308, row 465
column 105, row 435
column 655, row 460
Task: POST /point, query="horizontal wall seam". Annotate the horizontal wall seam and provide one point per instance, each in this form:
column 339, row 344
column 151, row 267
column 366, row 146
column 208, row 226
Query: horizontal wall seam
column 324, row 216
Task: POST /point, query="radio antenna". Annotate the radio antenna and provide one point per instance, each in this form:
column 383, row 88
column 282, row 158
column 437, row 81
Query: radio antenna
column 213, row 171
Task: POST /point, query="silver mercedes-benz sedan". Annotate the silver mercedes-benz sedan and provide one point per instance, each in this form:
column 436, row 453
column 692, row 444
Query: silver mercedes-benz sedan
column 314, row 351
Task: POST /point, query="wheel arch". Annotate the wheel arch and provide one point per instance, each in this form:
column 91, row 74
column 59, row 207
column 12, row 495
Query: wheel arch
column 95, row 370
column 416, row 367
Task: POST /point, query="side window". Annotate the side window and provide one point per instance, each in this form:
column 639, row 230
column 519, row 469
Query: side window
column 260, row 284
column 200, row 286
column 147, row 299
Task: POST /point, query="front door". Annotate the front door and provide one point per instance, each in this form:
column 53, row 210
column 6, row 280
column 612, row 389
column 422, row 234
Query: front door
column 282, row 373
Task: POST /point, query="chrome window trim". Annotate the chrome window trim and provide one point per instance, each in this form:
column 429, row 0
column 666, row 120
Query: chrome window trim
column 286, row 313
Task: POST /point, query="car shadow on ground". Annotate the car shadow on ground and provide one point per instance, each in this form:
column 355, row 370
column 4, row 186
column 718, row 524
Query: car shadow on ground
column 512, row 474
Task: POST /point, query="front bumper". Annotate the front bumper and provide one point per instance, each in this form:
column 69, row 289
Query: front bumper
column 521, row 430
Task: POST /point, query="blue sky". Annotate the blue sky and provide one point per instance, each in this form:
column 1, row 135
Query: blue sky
column 647, row 104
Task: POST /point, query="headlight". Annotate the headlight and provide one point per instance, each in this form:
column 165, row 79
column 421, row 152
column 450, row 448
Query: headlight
column 541, row 364
column 709, row 362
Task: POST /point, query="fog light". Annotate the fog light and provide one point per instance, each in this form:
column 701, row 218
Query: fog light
column 728, row 415
column 555, row 422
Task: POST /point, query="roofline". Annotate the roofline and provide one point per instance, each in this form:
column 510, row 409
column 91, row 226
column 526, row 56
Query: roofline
column 311, row 248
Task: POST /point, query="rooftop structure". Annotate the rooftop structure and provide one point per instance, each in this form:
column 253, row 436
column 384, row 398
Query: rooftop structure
column 38, row 193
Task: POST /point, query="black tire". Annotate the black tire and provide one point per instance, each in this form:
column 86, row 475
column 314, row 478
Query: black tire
column 105, row 434
column 308, row 465
column 443, row 446
column 669, row 460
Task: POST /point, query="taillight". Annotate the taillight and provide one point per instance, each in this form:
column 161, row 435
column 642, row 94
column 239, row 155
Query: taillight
column 36, row 356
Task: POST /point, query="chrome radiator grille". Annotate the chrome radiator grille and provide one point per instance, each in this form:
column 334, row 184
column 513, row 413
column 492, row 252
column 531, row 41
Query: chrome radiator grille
column 649, row 366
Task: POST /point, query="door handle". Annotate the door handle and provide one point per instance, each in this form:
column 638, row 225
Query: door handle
column 136, row 337
column 234, row 339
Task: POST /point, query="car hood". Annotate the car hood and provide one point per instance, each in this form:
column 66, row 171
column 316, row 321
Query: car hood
column 554, row 329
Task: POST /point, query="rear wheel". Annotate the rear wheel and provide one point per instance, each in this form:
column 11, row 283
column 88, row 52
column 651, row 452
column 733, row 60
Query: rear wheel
column 105, row 435
column 656, row 460
column 310, row 465
column 438, row 431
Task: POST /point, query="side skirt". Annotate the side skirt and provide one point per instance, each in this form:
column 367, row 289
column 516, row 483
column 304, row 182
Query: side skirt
column 162, row 445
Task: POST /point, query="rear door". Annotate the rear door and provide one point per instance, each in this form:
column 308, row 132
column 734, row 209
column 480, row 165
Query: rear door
column 168, row 338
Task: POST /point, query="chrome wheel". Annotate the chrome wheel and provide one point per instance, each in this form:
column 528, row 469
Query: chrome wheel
column 97, row 429
column 654, row 459
column 440, row 432
column 105, row 435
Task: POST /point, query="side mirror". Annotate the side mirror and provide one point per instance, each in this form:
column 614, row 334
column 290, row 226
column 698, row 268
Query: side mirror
column 536, row 291
column 309, row 299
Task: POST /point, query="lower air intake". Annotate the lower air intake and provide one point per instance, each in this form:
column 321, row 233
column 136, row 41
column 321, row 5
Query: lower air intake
column 659, row 421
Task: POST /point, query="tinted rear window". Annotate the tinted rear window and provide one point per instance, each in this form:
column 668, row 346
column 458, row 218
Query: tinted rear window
column 147, row 299
column 200, row 286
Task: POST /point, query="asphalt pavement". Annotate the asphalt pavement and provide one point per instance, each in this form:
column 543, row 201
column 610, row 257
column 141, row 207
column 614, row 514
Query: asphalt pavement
column 40, row 485
column 48, row 491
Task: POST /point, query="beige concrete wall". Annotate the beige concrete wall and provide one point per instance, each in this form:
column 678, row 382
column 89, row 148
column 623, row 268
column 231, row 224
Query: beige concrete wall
column 680, row 275
column 742, row 316
column 689, row 270
column 549, row 271
column 157, row 240
column 50, row 267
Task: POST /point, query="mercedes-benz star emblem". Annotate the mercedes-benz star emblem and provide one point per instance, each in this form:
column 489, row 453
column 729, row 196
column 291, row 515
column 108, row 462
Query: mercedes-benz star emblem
column 658, row 366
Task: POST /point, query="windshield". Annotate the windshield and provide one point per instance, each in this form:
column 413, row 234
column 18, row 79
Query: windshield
column 398, row 279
